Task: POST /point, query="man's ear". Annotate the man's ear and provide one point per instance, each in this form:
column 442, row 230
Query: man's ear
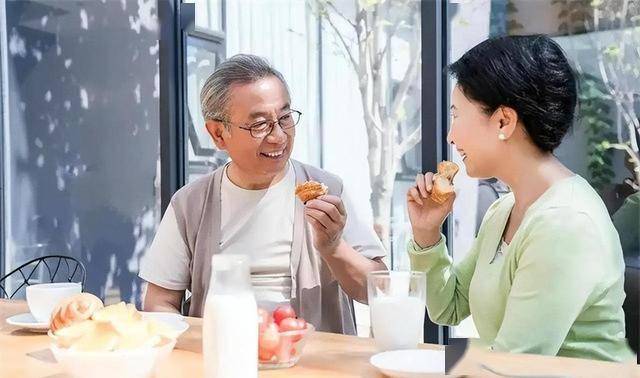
column 505, row 119
column 218, row 132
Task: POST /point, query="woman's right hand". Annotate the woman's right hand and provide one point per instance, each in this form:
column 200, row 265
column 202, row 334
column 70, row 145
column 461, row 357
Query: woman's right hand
column 426, row 215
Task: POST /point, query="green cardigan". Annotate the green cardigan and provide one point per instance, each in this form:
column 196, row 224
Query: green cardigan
column 558, row 288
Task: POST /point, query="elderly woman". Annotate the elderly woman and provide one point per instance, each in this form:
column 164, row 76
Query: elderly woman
column 545, row 273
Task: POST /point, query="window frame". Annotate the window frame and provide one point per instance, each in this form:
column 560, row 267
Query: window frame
column 435, row 103
column 178, row 25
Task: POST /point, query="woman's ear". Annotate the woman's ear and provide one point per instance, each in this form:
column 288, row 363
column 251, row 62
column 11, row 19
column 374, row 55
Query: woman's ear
column 505, row 119
column 218, row 132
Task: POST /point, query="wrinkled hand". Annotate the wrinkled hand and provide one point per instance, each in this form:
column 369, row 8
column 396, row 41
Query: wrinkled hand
column 426, row 215
column 327, row 217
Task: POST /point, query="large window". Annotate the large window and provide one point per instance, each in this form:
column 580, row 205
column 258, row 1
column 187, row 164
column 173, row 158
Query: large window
column 601, row 39
column 80, row 137
column 359, row 94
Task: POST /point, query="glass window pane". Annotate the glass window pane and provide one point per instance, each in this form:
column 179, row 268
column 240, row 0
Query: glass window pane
column 208, row 14
column 601, row 40
column 336, row 132
column 81, row 139
column 202, row 154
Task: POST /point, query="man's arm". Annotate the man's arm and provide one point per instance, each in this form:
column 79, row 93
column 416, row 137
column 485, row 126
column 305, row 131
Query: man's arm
column 350, row 268
column 327, row 216
column 159, row 299
column 165, row 267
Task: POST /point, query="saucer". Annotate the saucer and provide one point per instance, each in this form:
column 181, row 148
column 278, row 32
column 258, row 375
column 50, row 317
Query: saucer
column 410, row 363
column 28, row 322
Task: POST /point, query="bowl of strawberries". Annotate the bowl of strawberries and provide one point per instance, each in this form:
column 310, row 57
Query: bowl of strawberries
column 281, row 337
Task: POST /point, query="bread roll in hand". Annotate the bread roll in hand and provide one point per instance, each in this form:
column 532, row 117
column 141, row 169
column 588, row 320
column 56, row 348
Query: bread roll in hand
column 443, row 182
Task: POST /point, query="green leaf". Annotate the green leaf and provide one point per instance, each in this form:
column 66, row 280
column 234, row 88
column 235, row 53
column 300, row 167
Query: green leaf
column 612, row 51
column 366, row 4
column 463, row 22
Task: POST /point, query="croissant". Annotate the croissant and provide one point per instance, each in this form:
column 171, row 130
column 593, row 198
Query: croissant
column 310, row 190
column 443, row 181
column 74, row 309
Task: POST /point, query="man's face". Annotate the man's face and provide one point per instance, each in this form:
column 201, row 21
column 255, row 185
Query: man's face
column 263, row 100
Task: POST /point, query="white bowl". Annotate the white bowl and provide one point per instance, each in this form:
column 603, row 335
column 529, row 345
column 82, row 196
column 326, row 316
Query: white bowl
column 43, row 298
column 134, row 363
column 175, row 321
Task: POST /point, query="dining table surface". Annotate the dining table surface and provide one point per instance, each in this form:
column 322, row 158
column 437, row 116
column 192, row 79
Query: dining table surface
column 26, row 354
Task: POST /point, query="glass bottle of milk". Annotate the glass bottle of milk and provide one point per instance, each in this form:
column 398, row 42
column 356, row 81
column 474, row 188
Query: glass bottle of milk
column 230, row 322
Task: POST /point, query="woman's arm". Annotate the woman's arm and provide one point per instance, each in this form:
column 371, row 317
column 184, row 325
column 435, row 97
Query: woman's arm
column 447, row 284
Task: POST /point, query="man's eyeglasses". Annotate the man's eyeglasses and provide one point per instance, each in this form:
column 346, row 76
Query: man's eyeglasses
column 263, row 128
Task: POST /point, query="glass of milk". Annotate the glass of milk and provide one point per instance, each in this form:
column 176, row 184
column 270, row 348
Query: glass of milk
column 230, row 321
column 397, row 301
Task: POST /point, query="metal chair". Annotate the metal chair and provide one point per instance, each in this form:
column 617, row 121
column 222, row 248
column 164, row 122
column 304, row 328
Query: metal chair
column 55, row 265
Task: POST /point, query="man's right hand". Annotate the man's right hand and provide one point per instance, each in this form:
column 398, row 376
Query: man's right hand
column 426, row 215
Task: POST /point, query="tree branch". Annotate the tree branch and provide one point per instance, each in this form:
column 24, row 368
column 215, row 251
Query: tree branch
column 410, row 142
column 382, row 53
column 409, row 75
column 343, row 41
column 341, row 15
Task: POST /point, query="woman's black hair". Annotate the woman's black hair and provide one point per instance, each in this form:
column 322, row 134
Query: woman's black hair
column 529, row 74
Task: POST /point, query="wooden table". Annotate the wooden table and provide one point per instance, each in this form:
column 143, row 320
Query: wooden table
column 26, row 354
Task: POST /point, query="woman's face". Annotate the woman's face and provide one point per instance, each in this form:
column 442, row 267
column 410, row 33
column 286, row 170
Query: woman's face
column 475, row 135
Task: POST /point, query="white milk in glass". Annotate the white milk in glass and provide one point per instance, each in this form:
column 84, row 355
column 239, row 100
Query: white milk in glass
column 397, row 321
column 230, row 321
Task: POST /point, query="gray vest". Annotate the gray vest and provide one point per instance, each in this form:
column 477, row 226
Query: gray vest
column 315, row 294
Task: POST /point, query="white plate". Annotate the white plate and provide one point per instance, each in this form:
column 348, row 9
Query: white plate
column 175, row 321
column 28, row 322
column 411, row 363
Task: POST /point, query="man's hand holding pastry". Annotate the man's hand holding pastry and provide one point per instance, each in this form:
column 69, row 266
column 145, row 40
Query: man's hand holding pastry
column 325, row 213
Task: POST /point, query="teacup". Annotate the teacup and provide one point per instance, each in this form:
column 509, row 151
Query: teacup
column 43, row 298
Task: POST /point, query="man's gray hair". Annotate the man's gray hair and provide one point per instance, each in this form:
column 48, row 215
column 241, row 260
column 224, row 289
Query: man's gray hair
column 239, row 69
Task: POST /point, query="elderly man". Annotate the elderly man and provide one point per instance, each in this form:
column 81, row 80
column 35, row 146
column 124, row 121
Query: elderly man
column 314, row 256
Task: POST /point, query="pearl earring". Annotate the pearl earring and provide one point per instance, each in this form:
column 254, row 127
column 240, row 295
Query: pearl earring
column 501, row 136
